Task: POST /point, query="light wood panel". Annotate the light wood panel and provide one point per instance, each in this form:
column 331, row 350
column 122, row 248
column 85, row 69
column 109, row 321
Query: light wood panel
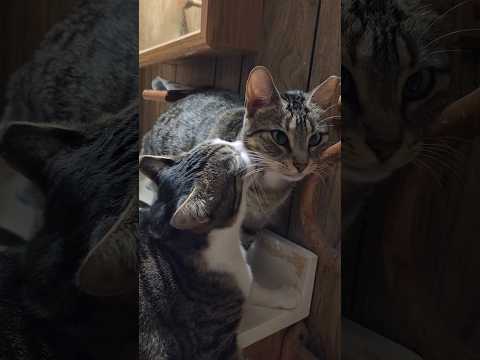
column 164, row 38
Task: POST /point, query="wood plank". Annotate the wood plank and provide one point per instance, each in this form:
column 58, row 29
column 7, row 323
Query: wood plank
column 228, row 72
column 324, row 322
column 327, row 55
column 288, row 33
column 269, row 348
column 359, row 343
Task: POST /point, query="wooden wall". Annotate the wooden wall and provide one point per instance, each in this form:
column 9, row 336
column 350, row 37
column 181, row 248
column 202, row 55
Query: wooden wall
column 301, row 47
column 413, row 276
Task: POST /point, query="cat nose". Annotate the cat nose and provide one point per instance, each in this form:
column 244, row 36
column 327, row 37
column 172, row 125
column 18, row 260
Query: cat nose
column 300, row 166
column 384, row 150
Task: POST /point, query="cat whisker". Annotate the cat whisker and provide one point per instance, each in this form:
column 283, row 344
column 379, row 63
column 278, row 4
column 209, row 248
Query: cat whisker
column 445, row 150
column 439, row 162
column 441, row 16
column 450, row 34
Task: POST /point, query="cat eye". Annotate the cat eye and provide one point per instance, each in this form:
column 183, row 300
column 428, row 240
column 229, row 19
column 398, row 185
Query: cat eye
column 280, row 137
column 419, row 85
column 315, row 139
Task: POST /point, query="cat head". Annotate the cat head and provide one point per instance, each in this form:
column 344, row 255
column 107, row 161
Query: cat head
column 202, row 189
column 89, row 178
column 286, row 134
column 395, row 78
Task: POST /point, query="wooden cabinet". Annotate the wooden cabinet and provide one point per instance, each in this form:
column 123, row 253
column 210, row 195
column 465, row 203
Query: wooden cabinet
column 175, row 29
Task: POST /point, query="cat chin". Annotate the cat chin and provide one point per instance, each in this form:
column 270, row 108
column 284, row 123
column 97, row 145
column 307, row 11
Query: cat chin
column 291, row 178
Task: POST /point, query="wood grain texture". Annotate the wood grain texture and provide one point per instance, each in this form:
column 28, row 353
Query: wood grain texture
column 417, row 262
column 239, row 22
column 288, row 32
column 227, row 72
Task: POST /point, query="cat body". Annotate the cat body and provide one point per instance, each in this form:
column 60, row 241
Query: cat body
column 86, row 66
column 88, row 177
column 284, row 135
column 194, row 277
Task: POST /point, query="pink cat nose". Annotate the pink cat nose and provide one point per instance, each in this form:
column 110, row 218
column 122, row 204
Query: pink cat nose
column 300, row 166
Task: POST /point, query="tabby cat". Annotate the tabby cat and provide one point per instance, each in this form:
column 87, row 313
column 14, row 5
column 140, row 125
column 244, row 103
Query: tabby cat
column 395, row 78
column 89, row 176
column 85, row 68
column 284, row 135
column 193, row 272
column 387, row 50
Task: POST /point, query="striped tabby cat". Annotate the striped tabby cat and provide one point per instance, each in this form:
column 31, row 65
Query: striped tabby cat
column 284, row 135
column 193, row 274
column 89, row 176
column 395, row 82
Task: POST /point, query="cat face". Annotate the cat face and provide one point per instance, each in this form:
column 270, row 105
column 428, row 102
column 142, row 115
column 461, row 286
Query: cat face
column 285, row 134
column 394, row 79
column 202, row 189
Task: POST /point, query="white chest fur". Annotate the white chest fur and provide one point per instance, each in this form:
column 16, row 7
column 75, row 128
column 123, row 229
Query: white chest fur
column 226, row 254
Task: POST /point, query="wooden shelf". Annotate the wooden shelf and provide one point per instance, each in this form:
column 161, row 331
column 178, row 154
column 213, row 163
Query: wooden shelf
column 226, row 26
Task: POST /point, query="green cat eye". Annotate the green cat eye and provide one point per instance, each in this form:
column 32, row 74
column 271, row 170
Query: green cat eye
column 419, row 85
column 280, row 137
column 315, row 139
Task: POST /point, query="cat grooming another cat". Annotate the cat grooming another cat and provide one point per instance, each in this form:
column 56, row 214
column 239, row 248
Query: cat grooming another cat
column 193, row 273
column 284, row 135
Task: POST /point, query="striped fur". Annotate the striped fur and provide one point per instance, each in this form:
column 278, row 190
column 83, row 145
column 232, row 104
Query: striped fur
column 190, row 292
column 395, row 80
column 220, row 114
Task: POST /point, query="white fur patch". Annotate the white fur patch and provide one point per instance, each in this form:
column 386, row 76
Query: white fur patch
column 237, row 145
column 226, row 254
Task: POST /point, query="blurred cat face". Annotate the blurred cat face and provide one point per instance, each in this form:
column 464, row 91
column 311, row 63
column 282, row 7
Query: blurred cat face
column 393, row 87
column 286, row 134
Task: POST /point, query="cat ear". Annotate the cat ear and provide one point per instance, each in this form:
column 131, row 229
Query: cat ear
column 109, row 267
column 151, row 165
column 28, row 146
column 191, row 214
column 327, row 94
column 260, row 90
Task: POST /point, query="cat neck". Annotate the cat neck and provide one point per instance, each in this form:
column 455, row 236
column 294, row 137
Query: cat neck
column 225, row 253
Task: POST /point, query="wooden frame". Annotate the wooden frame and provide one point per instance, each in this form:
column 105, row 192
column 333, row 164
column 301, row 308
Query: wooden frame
column 221, row 21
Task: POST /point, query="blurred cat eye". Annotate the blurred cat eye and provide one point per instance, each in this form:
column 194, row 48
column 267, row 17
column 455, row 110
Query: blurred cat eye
column 315, row 139
column 419, row 85
column 279, row 137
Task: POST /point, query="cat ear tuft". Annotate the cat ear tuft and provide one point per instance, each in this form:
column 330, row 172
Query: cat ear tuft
column 191, row 214
column 327, row 94
column 260, row 90
column 28, row 146
column 151, row 165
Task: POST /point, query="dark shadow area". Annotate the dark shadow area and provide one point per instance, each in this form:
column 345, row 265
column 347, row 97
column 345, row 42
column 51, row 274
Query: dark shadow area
column 68, row 180
column 410, row 174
